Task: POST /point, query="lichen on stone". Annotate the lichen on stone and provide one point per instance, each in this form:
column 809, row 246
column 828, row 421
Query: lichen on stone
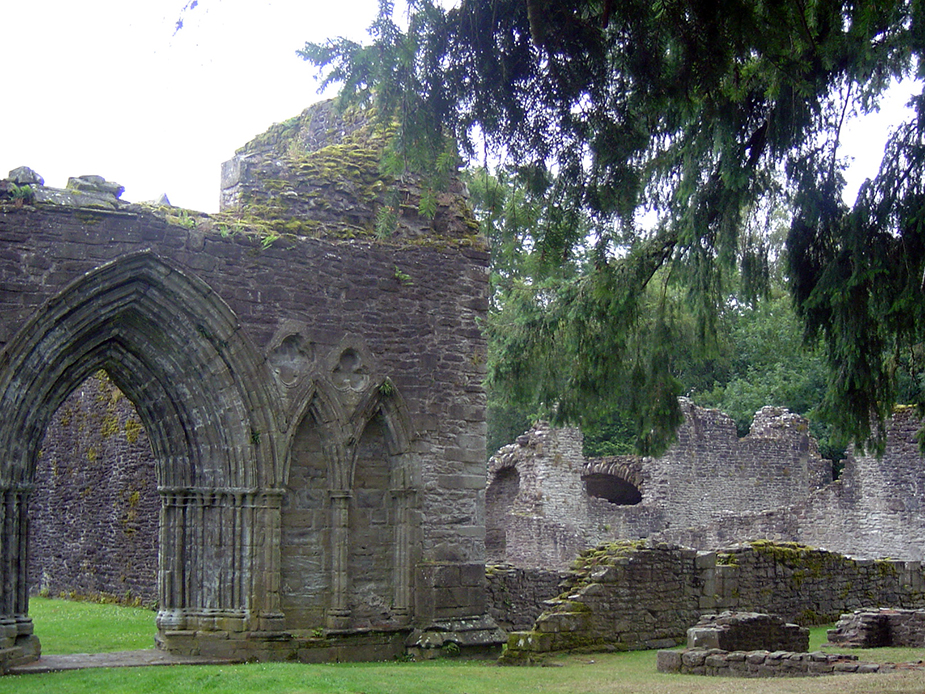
column 320, row 174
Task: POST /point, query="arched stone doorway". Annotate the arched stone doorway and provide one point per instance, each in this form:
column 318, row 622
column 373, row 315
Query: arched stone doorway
column 502, row 490
column 201, row 390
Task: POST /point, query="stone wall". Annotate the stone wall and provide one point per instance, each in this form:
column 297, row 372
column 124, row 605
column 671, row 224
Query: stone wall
column 747, row 631
column 299, row 390
column 93, row 530
column 880, row 628
column 636, row 595
column 563, row 503
column 516, row 596
column 875, row 509
column 762, row 663
column 709, row 490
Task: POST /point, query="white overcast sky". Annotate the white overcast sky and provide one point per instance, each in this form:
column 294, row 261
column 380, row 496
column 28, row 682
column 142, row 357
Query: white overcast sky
column 105, row 87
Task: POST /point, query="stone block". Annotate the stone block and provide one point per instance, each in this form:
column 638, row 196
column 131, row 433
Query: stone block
column 668, row 661
column 693, row 659
column 705, row 560
column 530, row 641
column 702, row 638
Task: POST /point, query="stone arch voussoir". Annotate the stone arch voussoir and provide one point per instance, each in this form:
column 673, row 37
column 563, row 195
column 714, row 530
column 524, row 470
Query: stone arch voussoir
column 202, row 390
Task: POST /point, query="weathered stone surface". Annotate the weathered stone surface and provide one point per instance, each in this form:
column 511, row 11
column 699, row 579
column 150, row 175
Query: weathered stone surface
column 515, row 595
column 746, row 631
column 633, row 595
column 318, row 174
column 720, row 663
column 546, row 502
column 23, row 175
column 880, row 628
column 314, row 408
column 95, row 185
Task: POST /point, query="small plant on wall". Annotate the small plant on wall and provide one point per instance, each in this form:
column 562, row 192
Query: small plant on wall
column 21, row 195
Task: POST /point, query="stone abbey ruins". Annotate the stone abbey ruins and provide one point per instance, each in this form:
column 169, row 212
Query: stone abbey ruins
column 546, row 502
column 313, row 402
column 269, row 423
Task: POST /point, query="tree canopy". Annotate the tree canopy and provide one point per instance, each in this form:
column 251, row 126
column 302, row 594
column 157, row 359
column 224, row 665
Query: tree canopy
column 657, row 139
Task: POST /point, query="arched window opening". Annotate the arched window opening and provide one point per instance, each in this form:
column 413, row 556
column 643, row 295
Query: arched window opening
column 612, row 488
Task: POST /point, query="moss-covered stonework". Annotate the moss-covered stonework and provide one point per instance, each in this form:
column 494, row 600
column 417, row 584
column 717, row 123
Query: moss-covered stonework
column 628, row 596
column 314, row 403
column 319, row 174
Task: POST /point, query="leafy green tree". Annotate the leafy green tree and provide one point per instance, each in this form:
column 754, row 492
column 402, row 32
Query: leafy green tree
column 705, row 115
column 771, row 365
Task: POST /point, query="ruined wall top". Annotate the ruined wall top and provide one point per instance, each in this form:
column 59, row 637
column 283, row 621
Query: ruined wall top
column 545, row 501
column 319, row 174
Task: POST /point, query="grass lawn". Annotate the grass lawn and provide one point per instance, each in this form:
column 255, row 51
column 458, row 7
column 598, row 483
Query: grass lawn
column 66, row 626
column 616, row 673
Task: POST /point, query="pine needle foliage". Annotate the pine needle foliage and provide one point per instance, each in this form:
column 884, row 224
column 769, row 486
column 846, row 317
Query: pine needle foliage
column 706, row 115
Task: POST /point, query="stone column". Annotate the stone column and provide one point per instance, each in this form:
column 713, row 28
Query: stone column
column 171, row 569
column 15, row 624
column 404, row 501
column 264, row 535
column 338, row 616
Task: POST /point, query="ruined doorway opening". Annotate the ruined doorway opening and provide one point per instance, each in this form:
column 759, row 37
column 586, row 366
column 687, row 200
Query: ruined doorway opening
column 611, row 488
column 93, row 531
column 93, row 515
column 499, row 499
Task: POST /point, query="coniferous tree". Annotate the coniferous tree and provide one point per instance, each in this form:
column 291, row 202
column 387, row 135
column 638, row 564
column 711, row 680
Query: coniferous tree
column 704, row 114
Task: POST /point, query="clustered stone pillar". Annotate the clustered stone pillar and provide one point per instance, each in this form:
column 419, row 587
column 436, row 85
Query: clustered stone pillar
column 218, row 563
column 15, row 625
column 404, row 500
column 339, row 614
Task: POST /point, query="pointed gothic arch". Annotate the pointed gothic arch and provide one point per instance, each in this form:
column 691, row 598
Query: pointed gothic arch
column 308, row 517
column 324, row 445
column 176, row 350
column 380, row 437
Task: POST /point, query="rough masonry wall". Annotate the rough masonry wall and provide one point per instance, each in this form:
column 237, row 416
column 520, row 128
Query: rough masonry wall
column 516, row 595
column 709, row 473
column 94, row 514
column 879, row 629
column 709, row 490
column 352, row 331
column 421, row 332
column 875, row 508
column 639, row 595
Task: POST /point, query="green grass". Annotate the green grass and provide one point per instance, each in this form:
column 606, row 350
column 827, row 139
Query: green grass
column 66, row 626
column 610, row 673
column 817, row 640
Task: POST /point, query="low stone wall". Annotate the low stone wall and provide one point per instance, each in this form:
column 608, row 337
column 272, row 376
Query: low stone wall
column 715, row 662
column 745, row 631
column 516, row 596
column 880, row 628
column 630, row 596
